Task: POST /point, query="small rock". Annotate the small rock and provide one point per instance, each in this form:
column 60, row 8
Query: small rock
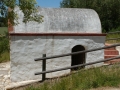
column 1, row 88
column 1, row 76
column 1, row 82
column 4, row 71
column 2, row 66
column 7, row 77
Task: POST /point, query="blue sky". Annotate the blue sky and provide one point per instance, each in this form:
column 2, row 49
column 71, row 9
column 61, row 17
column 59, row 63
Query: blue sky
column 49, row 3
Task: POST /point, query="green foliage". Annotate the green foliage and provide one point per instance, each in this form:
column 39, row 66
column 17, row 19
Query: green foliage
column 108, row 10
column 3, row 14
column 115, row 36
column 29, row 8
column 3, row 30
column 116, row 29
column 5, row 57
column 83, row 80
column 3, row 22
column 4, row 43
column 3, row 9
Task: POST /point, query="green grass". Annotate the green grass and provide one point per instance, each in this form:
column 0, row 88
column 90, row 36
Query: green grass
column 5, row 57
column 82, row 80
column 3, row 29
column 117, row 35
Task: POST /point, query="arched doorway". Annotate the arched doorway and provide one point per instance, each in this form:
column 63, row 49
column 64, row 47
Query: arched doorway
column 79, row 58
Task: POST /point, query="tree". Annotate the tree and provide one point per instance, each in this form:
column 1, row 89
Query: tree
column 3, row 22
column 108, row 10
column 4, row 43
column 29, row 8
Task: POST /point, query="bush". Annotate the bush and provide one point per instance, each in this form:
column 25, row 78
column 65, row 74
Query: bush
column 115, row 29
column 4, row 43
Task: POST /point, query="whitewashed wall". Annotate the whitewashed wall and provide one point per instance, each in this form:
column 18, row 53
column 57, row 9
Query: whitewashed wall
column 25, row 49
column 61, row 20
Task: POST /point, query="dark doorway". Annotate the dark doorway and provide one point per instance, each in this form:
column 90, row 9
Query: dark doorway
column 79, row 58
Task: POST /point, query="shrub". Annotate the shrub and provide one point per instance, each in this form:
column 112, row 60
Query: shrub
column 4, row 43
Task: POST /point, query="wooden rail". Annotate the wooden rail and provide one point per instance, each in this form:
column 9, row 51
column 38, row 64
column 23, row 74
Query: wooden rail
column 70, row 54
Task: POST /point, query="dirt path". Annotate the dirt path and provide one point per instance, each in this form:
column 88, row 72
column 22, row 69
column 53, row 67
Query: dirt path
column 4, row 75
column 5, row 81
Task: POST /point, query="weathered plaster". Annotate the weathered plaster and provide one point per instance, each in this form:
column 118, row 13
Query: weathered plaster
column 61, row 20
column 25, row 49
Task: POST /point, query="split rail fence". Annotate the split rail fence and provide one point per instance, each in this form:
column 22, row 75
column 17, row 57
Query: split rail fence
column 70, row 54
column 44, row 58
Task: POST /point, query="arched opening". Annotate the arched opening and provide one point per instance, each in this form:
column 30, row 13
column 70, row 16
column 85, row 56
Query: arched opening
column 79, row 58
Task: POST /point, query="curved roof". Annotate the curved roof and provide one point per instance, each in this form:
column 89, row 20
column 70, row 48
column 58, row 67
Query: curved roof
column 61, row 20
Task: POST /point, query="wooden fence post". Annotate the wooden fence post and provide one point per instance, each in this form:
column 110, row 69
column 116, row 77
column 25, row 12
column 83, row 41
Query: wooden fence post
column 44, row 67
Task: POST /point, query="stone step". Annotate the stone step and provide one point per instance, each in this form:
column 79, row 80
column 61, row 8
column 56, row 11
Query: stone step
column 113, row 48
column 107, row 44
column 111, row 52
column 113, row 61
column 109, row 56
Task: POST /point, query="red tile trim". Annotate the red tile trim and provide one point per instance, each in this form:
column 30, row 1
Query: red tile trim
column 56, row 34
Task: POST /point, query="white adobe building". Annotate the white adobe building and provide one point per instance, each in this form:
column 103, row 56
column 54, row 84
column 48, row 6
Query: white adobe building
column 63, row 31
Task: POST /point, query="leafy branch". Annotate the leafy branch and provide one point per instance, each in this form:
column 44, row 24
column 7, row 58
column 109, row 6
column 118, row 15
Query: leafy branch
column 28, row 7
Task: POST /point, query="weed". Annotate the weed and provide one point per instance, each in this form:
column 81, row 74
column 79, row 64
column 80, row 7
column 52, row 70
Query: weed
column 84, row 80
